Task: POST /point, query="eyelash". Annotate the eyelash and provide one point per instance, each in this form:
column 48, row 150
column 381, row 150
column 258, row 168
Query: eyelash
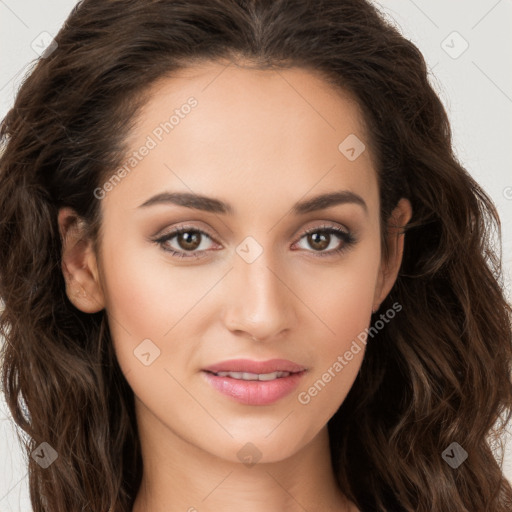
column 346, row 237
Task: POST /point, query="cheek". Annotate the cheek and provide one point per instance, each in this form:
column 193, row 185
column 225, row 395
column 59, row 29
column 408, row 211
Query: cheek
column 145, row 292
column 147, row 298
column 342, row 295
column 343, row 299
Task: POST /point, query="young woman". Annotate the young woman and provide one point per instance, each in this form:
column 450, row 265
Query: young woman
column 243, row 270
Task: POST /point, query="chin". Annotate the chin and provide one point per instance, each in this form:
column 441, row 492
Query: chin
column 257, row 446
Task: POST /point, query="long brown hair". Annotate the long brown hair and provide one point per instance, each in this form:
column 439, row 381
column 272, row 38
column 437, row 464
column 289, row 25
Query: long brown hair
column 438, row 374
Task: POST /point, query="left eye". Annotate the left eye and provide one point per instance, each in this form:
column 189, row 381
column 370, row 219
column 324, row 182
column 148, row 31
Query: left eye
column 328, row 240
column 324, row 241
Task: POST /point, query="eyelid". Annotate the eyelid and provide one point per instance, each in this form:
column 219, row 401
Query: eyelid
column 185, row 227
column 321, row 227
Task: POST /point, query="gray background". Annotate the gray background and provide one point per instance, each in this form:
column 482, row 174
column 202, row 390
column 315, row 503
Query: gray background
column 475, row 85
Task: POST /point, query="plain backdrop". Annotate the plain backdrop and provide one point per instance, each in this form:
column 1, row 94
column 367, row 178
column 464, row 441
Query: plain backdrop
column 468, row 48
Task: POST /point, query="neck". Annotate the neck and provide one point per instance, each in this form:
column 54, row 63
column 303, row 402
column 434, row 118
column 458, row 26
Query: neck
column 179, row 476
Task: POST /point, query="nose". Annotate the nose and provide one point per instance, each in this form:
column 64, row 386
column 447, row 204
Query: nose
column 260, row 303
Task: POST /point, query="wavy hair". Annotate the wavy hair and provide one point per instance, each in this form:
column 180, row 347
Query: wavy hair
column 438, row 373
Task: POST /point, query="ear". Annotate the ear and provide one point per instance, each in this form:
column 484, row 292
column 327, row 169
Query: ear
column 79, row 264
column 390, row 266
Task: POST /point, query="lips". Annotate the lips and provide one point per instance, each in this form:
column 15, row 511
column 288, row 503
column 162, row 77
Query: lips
column 254, row 382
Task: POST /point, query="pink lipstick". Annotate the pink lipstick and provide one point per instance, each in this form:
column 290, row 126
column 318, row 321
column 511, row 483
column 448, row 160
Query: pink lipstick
column 254, row 382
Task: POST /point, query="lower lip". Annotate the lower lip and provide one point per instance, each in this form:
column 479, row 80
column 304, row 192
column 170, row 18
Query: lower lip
column 255, row 392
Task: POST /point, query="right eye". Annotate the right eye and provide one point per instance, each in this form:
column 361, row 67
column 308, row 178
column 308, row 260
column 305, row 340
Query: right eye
column 184, row 240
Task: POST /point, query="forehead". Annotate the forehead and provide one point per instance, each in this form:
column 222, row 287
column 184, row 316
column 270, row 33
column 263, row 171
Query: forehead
column 248, row 132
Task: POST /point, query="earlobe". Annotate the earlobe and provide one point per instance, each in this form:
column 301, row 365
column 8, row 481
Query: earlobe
column 79, row 265
column 395, row 245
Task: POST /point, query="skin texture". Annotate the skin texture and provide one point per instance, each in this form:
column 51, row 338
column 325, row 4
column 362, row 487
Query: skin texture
column 260, row 141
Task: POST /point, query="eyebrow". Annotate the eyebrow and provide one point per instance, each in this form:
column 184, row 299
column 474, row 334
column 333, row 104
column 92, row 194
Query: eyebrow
column 210, row 204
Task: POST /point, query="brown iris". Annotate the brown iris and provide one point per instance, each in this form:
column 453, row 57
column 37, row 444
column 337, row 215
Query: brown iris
column 189, row 240
column 319, row 241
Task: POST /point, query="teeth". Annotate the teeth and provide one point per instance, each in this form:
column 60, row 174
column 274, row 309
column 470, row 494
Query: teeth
column 253, row 376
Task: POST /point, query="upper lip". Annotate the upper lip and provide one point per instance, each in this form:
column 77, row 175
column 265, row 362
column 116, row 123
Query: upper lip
column 258, row 367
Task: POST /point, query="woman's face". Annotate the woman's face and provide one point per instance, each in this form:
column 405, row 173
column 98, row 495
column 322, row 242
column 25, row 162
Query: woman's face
column 241, row 167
